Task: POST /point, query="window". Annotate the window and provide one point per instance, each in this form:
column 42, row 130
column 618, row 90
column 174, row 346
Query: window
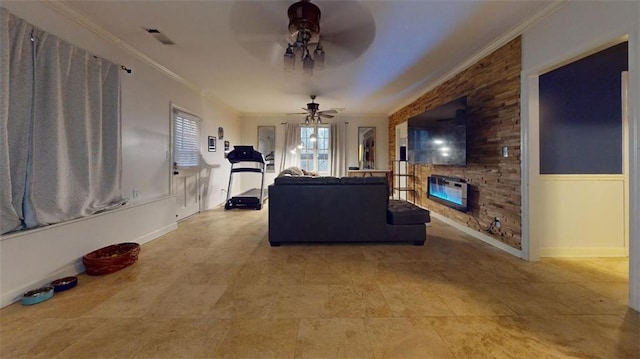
column 314, row 156
column 186, row 144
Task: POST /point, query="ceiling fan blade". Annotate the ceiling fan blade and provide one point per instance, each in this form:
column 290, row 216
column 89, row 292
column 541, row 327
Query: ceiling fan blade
column 326, row 116
column 332, row 111
column 348, row 29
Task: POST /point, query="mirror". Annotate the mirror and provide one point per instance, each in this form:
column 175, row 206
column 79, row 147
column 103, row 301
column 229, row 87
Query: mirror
column 267, row 145
column 366, row 147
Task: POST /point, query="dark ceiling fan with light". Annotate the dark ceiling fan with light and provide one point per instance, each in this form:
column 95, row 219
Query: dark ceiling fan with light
column 348, row 28
column 313, row 115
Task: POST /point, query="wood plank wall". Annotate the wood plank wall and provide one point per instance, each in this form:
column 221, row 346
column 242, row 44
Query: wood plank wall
column 492, row 87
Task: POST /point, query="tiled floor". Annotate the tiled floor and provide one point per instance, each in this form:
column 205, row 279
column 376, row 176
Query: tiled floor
column 215, row 289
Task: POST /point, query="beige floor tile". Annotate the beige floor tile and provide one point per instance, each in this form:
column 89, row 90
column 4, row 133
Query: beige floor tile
column 207, row 273
column 368, row 272
column 134, row 301
column 259, row 338
column 186, row 301
column 580, row 299
column 357, row 301
column 333, row 338
column 301, row 301
column 323, row 271
column 527, row 299
column 584, row 336
column 44, row 338
column 245, row 302
column 184, row 338
column 405, row 338
column 282, row 273
column 113, row 338
column 470, row 299
column 410, row 300
column 596, row 269
column 494, row 337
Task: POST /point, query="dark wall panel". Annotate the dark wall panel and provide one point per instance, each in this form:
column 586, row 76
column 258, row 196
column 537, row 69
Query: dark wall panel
column 581, row 115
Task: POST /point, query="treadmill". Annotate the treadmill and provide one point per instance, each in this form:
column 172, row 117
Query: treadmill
column 246, row 159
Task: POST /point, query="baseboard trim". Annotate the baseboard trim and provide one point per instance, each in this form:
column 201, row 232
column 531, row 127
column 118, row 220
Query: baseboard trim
column 157, row 233
column 568, row 252
column 472, row 232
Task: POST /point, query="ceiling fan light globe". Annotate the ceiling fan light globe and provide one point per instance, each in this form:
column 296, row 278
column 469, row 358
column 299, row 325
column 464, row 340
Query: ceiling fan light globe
column 318, row 57
column 313, row 137
column 289, row 60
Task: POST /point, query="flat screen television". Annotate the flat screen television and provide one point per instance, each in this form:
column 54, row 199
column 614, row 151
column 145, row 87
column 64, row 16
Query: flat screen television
column 438, row 136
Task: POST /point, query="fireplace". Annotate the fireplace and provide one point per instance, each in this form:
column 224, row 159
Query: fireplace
column 450, row 191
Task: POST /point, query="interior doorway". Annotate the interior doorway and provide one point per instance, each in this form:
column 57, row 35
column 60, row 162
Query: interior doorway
column 581, row 184
column 185, row 169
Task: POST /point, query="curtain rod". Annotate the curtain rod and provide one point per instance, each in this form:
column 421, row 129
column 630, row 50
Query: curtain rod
column 127, row 69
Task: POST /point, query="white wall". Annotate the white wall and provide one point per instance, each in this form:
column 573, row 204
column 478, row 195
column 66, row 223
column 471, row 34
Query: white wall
column 214, row 177
column 574, row 29
column 250, row 125
column 147, row 95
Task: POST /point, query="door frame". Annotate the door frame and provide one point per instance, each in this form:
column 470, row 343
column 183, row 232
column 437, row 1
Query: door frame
column 530, row 151
column 173, row 107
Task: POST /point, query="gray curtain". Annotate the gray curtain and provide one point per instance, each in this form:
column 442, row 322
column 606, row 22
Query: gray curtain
column 16, row 103
column 291, row 141
column 338, row 149
column 62, row 119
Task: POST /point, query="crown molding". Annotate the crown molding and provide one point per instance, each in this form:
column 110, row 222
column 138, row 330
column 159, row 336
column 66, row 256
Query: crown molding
column 84, row 21
column 339, row 115
column 493, row 46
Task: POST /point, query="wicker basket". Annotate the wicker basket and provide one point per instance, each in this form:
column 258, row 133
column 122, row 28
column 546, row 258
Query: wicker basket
column 111, row 258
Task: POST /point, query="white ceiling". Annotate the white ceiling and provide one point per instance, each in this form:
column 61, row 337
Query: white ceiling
column 378, row 53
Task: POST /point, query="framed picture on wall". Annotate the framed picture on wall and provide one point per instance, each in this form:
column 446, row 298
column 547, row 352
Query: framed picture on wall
column 212, row 144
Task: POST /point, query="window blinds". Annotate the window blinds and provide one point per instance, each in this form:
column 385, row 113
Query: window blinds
column 186, row 140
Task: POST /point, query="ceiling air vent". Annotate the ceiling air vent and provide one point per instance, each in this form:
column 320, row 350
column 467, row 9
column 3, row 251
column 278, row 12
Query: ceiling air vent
column 160, row 36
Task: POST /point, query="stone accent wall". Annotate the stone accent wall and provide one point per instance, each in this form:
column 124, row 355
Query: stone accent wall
column 492, row 87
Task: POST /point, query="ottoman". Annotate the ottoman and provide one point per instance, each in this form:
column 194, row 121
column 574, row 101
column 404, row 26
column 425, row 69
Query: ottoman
column 406, row 222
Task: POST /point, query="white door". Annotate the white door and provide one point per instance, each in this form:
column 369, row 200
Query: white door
column 186, row 163
column 185, row 188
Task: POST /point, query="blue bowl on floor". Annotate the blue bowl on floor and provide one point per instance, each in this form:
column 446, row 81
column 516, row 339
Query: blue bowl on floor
column 62, row 284
column 37, row 295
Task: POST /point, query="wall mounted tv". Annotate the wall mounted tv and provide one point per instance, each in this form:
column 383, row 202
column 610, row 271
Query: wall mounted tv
column 438, row 136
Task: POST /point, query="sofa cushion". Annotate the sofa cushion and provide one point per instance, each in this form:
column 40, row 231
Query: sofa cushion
column 363, row 180
column 305, row 180
column 403, row 212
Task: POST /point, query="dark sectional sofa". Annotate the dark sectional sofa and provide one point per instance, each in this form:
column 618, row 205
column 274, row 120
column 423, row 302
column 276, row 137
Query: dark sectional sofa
column 348, row 209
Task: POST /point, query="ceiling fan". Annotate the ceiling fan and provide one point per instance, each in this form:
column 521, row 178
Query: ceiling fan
column 313, row 115
column 346, row 29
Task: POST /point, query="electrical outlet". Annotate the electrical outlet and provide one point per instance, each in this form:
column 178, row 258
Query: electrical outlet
column 136, row 193
column 497, row 223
